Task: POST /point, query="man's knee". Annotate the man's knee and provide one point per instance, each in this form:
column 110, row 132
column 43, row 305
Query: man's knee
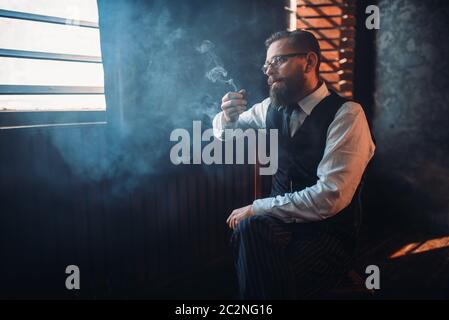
column 245, row 229
column 259, row 226
column 250, row 225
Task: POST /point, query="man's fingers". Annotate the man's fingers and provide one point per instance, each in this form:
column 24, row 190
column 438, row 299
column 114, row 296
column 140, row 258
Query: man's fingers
column 233, row 95
column 231, row 221
column 230, row 216
column 237, row 216
column 234, row 111
column 233, row 103
column 235, row 220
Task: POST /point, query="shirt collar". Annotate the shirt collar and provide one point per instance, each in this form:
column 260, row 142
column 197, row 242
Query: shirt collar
column 311, row 101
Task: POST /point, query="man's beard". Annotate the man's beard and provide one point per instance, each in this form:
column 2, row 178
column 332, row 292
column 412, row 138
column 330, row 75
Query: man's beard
column 284, row 92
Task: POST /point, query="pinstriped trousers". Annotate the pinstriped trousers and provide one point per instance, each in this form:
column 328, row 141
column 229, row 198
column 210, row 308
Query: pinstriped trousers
column 278, row 260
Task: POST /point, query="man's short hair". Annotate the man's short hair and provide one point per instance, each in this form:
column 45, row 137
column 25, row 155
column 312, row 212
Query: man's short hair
column 301, row 40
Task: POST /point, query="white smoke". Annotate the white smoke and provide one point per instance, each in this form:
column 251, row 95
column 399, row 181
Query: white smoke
column 218, row 73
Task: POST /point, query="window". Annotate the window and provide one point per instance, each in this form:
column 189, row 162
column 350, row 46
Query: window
column 333, row 23
column 50, row 62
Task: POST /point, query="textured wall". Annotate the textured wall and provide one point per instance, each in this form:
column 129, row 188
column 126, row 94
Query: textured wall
column 411, row 114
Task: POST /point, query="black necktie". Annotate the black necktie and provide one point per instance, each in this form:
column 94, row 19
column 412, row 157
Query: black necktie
column 286, row 115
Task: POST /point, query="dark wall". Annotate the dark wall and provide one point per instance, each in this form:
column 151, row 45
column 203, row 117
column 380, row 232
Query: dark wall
column 103, row 197
column 409, row 180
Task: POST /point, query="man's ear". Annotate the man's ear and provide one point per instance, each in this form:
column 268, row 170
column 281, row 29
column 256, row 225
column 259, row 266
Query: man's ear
column 311, row 62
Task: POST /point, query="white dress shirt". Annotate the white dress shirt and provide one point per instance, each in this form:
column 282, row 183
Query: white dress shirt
column 349, row 147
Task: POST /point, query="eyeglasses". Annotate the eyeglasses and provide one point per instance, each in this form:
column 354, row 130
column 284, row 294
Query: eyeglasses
column 276, row 61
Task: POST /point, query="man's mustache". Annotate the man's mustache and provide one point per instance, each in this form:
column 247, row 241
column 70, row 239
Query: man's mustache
column 272, row 80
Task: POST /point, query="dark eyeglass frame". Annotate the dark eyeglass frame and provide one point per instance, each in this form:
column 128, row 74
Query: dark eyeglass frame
column 276, row 61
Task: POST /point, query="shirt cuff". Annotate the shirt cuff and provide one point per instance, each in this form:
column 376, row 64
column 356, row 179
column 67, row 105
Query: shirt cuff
column 262, row 206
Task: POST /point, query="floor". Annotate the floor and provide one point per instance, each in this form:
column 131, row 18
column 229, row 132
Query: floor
column 412, row 265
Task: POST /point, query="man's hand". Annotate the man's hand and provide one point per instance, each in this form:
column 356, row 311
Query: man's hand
column 238, row 215
column 233, row 104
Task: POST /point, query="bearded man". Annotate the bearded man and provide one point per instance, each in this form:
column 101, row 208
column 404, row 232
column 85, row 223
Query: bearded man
column 300, row 240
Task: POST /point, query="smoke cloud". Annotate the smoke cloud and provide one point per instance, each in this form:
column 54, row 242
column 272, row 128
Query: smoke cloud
column 166, row 65
column 217, row 73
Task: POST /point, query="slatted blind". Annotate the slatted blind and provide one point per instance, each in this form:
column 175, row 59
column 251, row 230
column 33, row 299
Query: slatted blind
column 333, row 23
column 50, row 57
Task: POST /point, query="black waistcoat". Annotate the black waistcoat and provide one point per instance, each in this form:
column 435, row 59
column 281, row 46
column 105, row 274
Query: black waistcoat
column 299, row 156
